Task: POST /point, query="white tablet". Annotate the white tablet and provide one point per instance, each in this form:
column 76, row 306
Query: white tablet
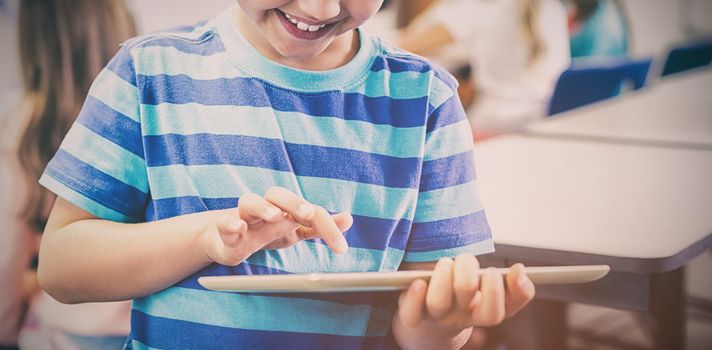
column 380, row 281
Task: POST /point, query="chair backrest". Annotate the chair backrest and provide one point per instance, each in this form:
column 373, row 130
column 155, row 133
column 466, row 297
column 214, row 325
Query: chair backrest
column 583, row 84
column 686, row 57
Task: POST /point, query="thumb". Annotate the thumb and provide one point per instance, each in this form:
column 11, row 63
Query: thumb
column 412, row 302
column 231, row 229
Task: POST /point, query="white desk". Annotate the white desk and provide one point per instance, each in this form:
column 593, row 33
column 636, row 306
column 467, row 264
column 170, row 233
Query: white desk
column 675, row 111
column 609, row 199
column 646, row 211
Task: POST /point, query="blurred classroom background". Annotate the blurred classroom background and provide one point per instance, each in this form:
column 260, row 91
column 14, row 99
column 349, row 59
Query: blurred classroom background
column 652, row 29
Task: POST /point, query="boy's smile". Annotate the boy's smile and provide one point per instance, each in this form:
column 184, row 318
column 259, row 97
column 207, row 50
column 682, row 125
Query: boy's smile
column 303, row 28
column 305, row 34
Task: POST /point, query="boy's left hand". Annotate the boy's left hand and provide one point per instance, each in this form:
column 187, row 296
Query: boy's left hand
column 457, row 299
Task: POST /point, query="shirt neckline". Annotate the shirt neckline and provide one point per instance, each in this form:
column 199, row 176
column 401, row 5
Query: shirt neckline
column 245, row 56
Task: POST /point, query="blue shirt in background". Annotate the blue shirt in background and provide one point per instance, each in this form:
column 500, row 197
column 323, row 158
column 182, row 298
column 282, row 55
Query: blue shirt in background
column 604, row 34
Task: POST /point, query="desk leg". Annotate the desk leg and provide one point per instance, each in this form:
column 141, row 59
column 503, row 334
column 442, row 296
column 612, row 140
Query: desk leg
column 667, row 306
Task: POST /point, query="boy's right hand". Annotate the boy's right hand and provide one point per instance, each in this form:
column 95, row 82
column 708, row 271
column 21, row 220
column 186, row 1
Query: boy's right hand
column 278, row 220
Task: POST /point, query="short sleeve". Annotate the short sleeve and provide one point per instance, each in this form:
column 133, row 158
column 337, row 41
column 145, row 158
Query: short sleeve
column 449, row 218
column 100, row 165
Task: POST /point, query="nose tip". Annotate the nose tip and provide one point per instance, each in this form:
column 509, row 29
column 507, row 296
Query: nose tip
column 320, row 9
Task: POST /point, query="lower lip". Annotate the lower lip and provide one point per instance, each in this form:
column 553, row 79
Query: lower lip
column 296, row 32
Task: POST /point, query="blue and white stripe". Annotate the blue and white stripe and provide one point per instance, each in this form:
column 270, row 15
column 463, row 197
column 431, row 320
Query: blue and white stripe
column 189, row 120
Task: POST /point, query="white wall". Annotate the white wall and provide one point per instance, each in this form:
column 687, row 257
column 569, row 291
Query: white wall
column 656, row 25
column 699, row 16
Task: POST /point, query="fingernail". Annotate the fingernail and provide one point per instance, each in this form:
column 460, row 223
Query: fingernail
column 476, row 299
column 305, row 210
column 341, row 245
column 271, row 213
column 237, row 225
column 445, row 260
column 522, row 279
column 491, row 272
column 416, row 287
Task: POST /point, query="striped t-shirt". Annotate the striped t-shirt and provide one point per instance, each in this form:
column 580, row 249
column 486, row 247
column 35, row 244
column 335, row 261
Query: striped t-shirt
column 187, row 121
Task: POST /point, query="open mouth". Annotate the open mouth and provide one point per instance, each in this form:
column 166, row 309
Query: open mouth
column 301, row 28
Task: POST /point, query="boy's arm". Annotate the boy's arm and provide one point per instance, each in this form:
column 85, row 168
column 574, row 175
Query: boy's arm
column 83, row 258
column 441, row 314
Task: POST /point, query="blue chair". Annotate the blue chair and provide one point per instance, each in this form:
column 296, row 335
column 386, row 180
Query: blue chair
column 591, row 82
column 687, row 57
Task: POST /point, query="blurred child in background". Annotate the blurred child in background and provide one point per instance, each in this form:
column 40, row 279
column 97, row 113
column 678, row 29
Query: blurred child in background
column 63, row 46
column 517, row 50
column 598, row 28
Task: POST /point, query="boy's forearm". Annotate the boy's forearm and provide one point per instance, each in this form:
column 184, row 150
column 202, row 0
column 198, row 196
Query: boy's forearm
column 422, row 337
column 98, row 260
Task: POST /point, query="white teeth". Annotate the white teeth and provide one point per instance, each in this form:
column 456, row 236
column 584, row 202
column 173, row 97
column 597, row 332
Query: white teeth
column 303, row 26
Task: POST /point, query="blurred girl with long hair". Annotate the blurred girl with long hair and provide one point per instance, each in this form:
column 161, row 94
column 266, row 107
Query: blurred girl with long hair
column 517, row 49
column 63, row 45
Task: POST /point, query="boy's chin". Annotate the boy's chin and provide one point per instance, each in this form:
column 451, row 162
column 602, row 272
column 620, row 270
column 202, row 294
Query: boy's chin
column 301, row 53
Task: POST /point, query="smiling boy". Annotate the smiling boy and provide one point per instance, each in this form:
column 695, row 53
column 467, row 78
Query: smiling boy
column 291, row 100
